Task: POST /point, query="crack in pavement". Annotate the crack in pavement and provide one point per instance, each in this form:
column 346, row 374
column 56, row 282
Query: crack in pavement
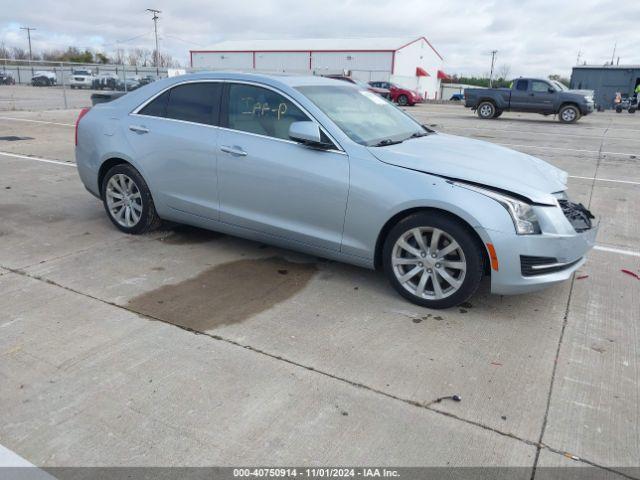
column 423, row 405
column 553, row 378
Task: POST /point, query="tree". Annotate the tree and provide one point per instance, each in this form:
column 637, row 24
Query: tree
column 19, row 53
column 102, row 58
column 4, row 51
column 504, row 70
column 559, row 78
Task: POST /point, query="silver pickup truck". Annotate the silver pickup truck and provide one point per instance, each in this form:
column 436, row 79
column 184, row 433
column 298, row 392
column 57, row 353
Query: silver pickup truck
column 534, row 95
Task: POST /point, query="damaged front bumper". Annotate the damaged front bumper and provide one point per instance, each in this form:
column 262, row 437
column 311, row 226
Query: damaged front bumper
column 532, row 262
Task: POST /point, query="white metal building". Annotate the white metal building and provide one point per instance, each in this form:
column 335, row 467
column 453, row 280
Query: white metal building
column 411, row 62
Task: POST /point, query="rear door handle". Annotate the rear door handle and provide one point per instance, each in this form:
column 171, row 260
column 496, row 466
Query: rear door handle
column 138, row 129
column 237, row 151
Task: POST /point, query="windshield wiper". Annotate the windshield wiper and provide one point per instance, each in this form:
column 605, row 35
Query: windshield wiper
column 418, row 134
column 387, row 141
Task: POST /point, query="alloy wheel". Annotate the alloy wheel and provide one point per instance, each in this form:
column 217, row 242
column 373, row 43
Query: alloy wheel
column 124, row 201
column 429, row 263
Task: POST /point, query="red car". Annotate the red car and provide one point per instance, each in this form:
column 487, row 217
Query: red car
column 401, row 96
column 383, row 92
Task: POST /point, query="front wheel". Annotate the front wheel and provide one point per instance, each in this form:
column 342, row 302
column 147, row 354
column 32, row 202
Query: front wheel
column 127, row 200
column 569, row 114
column 403, row 100
column 433, row 260
column 486, row 110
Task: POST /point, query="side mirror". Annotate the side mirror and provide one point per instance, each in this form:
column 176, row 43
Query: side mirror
column 551, row 90
column 307, row 133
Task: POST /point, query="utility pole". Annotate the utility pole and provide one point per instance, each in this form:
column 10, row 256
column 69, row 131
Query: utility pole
column 155, row 27
column 28, row 29
column 493, row 62
column 614, row 52
column 578, row 57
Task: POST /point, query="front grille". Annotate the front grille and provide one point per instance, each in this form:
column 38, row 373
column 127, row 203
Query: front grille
column 577, row 214
column 528, row 264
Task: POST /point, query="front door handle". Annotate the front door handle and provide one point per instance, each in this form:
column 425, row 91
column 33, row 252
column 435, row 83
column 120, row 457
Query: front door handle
column 235, row 150
column 138, row 129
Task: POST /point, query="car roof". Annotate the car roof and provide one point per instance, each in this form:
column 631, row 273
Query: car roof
column 289, row 80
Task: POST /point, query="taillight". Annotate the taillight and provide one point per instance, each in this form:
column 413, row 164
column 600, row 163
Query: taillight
column 83, row 112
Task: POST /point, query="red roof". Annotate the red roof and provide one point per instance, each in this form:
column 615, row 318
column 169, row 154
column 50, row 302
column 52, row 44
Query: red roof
column 443, row 76
column 421, row 72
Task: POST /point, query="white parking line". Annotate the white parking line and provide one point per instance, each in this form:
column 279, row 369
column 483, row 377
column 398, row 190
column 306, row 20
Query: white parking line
column 590, row 136
column 626, row 154
column 619, row 251
column 605, row 180
column 37, row 121
column 38, row 159
column 597, row 247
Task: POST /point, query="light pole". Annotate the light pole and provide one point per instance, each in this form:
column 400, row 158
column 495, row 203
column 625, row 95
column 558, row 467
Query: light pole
column 493, row 61
column 28, row 29
column 155, row 27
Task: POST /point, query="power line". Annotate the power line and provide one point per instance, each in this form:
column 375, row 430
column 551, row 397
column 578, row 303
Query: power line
column 183, row 40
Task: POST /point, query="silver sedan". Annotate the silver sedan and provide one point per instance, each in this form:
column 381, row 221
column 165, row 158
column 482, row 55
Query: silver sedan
column 334, row 170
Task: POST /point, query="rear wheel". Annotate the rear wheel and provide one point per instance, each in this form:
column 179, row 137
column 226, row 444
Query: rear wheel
column 433, row 260
column 403, row 100
column 127, row 200
column 498, row 113
column 486, row 110
column 569, row 114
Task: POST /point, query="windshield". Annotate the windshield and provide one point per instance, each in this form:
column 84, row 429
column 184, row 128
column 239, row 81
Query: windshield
column 559, row 86
column 365, row 117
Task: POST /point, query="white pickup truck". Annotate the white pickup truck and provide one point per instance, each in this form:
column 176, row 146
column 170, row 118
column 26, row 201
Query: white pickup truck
column 81, row 78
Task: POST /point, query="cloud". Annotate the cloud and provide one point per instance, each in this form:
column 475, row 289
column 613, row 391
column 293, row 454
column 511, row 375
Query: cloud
column 533, row 37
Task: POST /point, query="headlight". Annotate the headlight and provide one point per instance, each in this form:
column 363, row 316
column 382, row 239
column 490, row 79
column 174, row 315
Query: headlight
column 522, row 214
column 588, row 99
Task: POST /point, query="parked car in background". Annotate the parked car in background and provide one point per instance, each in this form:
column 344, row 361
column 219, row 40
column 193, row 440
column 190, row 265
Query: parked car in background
column 7, row 79
column 400, row 95
column 44, row 79
column 457, row 97
column 131, row 83
column 333, row 170
column 107, row 80
column 81, row 78
column 147, row 79
column 535, row 95
column 383, row 92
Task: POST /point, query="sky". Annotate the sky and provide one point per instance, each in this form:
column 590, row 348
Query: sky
column 532, row 37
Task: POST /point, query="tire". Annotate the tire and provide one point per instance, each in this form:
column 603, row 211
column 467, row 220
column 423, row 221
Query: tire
column 618, row 109
column 498, row 113
column 632, row 109
column 123, row 178
column 467, row 255
column 403, row 100
column 569, row 114
column 486, row 110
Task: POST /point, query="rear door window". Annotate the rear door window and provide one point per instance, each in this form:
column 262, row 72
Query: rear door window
column 521, row 85
column 195, row 102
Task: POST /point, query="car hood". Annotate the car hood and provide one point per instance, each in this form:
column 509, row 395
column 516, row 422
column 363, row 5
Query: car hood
column 584, row 93
column 478, row 162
